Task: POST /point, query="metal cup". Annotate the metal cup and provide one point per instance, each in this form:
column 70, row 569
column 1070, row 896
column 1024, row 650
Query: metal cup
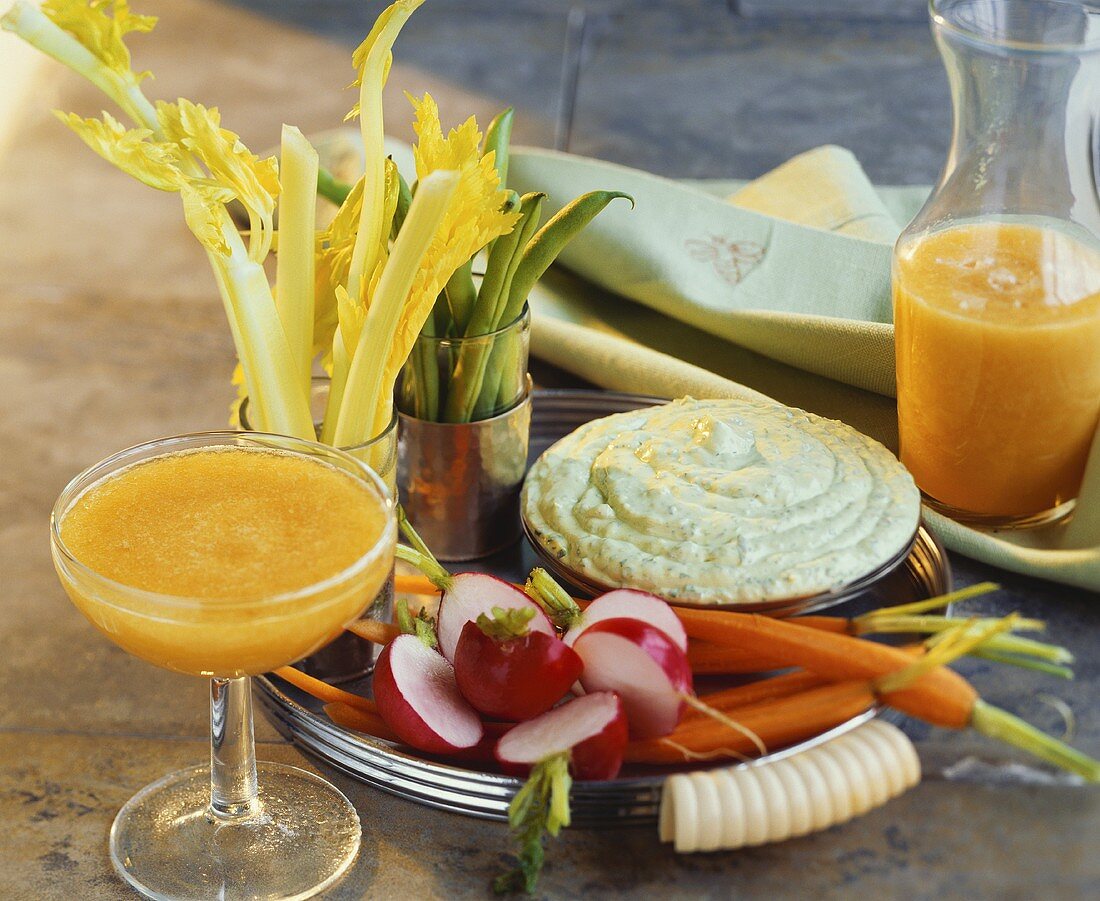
column 460, row 482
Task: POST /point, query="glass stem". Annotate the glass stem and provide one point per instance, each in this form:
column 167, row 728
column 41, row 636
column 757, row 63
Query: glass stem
column 232, row 749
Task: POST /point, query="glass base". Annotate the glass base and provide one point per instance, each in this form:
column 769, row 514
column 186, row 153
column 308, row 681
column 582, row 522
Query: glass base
column 167, row 844
column 994, row 521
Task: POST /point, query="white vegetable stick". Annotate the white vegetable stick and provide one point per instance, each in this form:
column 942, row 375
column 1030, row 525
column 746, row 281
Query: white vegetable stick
column 873, row 767
column 855, row 777
column 818, row 788
column 709, row 834
column 836, row 785
column 686, row 821
column 798, row 798
column 733, row 810
column 820, row 800
column 756, row 808
column 777, row 804
column 887, row 753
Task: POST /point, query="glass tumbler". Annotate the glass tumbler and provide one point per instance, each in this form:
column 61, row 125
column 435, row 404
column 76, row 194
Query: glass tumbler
column 996, row 282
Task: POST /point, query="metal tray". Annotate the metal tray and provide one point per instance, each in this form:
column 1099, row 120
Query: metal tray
column 635, row 796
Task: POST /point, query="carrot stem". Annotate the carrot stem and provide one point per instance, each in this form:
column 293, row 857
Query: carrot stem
column 1003, row 726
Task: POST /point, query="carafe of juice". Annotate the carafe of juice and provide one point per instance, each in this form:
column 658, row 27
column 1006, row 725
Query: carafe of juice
column 996, row 282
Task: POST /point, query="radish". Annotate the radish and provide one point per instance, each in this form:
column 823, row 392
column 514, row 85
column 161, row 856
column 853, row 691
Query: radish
column 648, row 669
column 469, row 595
column 418, row 698
column 592, row 729
column 512, row 674
column 626, row 603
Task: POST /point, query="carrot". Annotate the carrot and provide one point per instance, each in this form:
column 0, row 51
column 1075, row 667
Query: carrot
column 777, row 722
column 323, row 691
column 941, row 697
column 375, row 631
column 755, row 692
column 825, row 623
column 709, row 659
column 360, row 720
column 415, row 584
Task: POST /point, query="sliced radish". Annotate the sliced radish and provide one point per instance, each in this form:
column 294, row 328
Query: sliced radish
column 418, row 697
column 640, row 662
column 472, row 594
column 517, row 678
column 593, row 728
column 626, row 603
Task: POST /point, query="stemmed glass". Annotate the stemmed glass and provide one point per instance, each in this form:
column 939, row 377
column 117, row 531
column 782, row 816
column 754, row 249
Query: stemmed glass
column 206, row 832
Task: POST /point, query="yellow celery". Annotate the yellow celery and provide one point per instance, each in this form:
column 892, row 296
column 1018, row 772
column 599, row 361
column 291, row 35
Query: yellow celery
column 104, row 61
column 295, row 266
column 372, row 61
column 351, row 312
column 87, row 36
column 368, row 398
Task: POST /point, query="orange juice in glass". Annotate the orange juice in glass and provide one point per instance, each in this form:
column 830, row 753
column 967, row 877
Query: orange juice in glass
column 997, row 333
column 996, row 282
column 227, row 554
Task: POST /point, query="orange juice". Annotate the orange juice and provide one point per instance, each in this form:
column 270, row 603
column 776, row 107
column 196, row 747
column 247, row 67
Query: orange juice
column 255, row 557
column 997, row 332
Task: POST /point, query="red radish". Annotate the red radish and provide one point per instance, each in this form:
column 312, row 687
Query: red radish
column 592, row 728
column 418, row 698
column 626, row 603
column 648, row 670
column 515, row 678
column 472, row 594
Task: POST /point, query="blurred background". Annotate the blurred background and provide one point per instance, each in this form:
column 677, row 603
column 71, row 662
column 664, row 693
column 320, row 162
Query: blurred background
column 691, row 88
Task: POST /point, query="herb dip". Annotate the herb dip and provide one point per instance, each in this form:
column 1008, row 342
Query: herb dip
column 721, row 501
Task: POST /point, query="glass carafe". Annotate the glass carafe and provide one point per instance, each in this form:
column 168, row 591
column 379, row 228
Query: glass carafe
column 996, row 282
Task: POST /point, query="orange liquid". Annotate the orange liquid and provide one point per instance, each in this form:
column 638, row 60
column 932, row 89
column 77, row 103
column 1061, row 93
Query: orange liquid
column 224, row 532
column 997, row 332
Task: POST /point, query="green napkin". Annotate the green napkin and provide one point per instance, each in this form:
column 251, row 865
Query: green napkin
column 692, row 293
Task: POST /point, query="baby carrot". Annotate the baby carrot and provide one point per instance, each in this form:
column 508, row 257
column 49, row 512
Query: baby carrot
column 373, row 630
column 323, row 691
column 940, row 696
column 360, row 720
column 777, row 722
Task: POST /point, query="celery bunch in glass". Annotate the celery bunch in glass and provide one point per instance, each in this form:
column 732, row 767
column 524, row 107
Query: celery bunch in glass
column 355, row 295
column 452, row 380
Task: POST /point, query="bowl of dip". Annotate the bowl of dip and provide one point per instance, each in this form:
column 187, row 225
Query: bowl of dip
column 721, row 503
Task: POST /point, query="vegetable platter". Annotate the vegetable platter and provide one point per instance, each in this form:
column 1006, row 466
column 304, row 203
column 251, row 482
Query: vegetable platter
column 635, row 795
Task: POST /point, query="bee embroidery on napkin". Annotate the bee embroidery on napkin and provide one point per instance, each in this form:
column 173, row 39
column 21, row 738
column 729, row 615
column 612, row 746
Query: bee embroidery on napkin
column 732, row 260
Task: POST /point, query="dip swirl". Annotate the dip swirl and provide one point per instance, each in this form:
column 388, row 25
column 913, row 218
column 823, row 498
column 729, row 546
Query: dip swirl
column 721, row 501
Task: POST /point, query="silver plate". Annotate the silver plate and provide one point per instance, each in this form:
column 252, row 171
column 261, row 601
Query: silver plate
column 632, row 798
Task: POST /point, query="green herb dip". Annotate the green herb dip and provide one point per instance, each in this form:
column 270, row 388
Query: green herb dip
column 721, row 501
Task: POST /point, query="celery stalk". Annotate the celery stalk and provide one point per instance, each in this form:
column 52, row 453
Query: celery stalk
column 265, row 351
column 372, row 59
column 295, row 262
column 367, row 400
column 120, row 84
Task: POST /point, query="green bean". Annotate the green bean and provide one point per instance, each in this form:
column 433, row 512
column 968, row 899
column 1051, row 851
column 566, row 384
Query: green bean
column 551, row 240
column 461, row 296
column 330, row 187
column 470, row 367
column 404, row 200
column 497, row 137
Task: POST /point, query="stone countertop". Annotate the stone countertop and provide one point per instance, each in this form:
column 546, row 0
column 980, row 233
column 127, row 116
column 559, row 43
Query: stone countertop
column 113, row 335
